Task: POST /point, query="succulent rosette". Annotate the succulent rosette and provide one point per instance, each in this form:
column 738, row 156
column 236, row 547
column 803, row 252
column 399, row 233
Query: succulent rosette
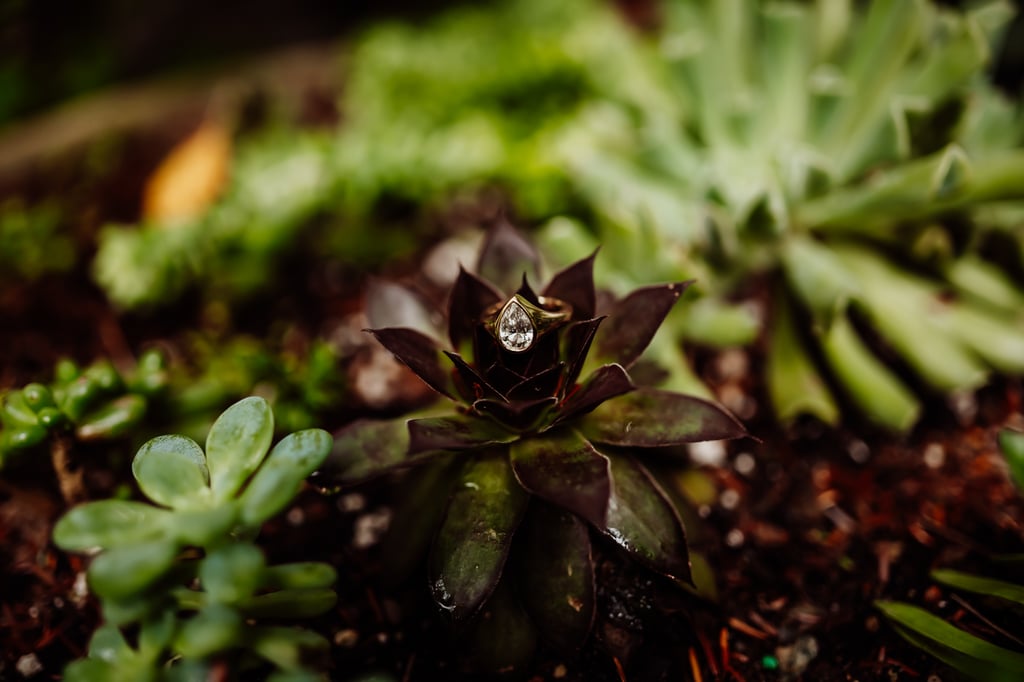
column 546, row 443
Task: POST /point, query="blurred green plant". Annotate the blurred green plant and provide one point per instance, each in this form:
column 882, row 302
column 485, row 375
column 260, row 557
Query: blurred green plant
column 31, row 242
column 185, row 570
column 96, row 403
column 545, row 444
column 975, row 656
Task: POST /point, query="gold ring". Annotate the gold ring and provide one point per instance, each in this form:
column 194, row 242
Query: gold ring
column 517, row 323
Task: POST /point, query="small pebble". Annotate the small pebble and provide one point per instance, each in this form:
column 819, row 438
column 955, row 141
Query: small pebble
column 370, row 528
column 934, row 455
column 295, row 516
column 964, row 405
column 352, row 502
column 346, row 638
column 859, row 451
column 560, row 671
column 704, row 511
column 729, row 499
column 734, row 538
column 29, row 665
column 745, row 463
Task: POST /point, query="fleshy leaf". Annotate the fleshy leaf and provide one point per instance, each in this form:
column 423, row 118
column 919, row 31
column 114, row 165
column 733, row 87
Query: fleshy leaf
column 1012, row 444
column 471, row 385
column 455, row 432
column 109, row 523
column 171, row 470
column 503, row 637
column 237, row 443
column 287, row 648
column 564, row 469
column 605, row 383
column 128, row 570
column 299, row 575
column 648, row 417
column 113, row 419
column 367, row 448
column 275, row 484
column 469, row 298
column 633, row 322
column 304, row 603
column 644, row 522
column 506, row 256
column 469, row 552
column 557, row 575
column 521, row 416
column 232, row 573
column 419, row 353
column 575, row 285
column 214, row 629
column 541, row 385
column 578, row 338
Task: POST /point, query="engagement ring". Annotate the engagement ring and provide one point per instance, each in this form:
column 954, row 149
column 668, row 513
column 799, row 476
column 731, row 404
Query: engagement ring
column 517, row 323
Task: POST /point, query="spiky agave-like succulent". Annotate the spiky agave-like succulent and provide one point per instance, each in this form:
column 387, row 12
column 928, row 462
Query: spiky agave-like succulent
column 533, row 450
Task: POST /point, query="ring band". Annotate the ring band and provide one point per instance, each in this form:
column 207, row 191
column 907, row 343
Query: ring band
column 517, row 323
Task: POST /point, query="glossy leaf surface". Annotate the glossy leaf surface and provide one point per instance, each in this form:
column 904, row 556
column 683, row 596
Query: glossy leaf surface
column 469, row 553
column 634, row 321
column 277, row 481
column 604, row 384
column 456, row 432
column 419, row 353
column 127, row 570
column 237, row 443
column 575, row 285
column 109, row 523
column 171, row 470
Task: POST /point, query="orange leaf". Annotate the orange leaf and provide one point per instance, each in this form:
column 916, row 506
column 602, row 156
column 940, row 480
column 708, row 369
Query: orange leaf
column 190, row 177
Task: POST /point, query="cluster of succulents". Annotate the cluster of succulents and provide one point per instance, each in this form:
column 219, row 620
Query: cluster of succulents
column 95, row 403
column 546, row 443
column 184, row 569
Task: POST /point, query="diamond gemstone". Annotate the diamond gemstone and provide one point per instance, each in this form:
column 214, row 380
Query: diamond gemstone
column 515, row 329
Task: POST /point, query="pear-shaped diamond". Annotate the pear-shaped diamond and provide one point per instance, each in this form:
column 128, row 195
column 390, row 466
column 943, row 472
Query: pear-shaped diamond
column 515, row 328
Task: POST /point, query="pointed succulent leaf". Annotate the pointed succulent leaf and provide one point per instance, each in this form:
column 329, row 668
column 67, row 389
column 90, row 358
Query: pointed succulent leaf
column 419, row 353
column 455, row 432
column 633, row 322
column 575, row 285
column 232, row 573
column 109, row 523
column 564, row 469
column 469, row 298
column 643, row 521
column 389, row 304
column 576, row 346
column 171, row 470
column 367, row 448
column 989, row 587
column 469, row 553
column 794, row 383
column 237, row 443
column 506, row 256
column 470, row 384
column 556, row 575
column 518, row 416
column 129, row 570
column 214, row 629
column 112, row 419
column 648, row 417
column 604, row 384
column 275, row 484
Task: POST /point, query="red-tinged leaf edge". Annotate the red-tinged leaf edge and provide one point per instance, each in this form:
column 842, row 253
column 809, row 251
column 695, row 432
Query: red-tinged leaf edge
column 418, row 352
column 634, row 321
column 607, row 382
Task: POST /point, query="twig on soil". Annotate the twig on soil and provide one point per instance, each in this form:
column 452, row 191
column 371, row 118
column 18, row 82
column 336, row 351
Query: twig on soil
column 72, row 489
column 977, row 614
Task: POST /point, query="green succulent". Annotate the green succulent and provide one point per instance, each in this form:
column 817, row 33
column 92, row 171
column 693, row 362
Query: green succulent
column 31, row 243
column 184, row 568
column 543, row 449
column 96, row 403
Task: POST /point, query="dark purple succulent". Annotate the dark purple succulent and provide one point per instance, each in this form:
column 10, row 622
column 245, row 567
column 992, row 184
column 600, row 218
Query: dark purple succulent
column 531, row 450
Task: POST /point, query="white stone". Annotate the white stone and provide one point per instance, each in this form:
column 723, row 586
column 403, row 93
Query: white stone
column 515, row 329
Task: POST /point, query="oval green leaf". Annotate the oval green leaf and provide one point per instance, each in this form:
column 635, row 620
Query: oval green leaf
column 276, row 482
column 232, row 574
column 109, row 523
column 237, row 443
column 171, row 470
column 299, row 575
column 112, row 419
column 213, row 630
column 126, row 572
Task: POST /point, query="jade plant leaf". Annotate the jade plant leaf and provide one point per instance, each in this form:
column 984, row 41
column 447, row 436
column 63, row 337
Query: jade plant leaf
column 171, row 470
column 213, row 629
column 280, row 477
column 633, row 321
column 109, row 523
column 232, row 574
column 237, row 443
column 419, row 353
column 643, row 521
column 469, row 553
column 127, row 570
column 563, row 468
column 367, row 448
column 556, row 575
column 649, row 417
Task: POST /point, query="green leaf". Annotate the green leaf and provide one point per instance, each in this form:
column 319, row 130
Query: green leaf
column 556, row 575
column 108, row 644
column 564, row 469
column 237, row 443
column 276, row 483
column 971, row 655
column 1012, row 445
column 469, row 552
column 989, row 587
column 109, row 523
column 874, row 389
column 643, row 521
column 285, row 647
column 213, row 630
column 367, row 448
column 171, row 470
column 203, row 527
column 649, row 417
column 233, row 573
column 290, row 603
column 817, row 277
column 455, row 432
column 127, row 571
column 113, row 419
column 794, row 384
column 299, row 575
column 90, row 670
